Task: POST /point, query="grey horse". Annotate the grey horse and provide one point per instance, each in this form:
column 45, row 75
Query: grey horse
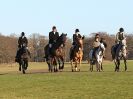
column 119, row 52
column 99, row 58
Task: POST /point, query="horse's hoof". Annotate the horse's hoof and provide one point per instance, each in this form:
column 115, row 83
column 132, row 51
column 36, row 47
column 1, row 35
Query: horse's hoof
column 79, row 70
column 56, row 70
column 23, row 71
column 72, row 70
column 51, row 70
column 25, row 68
column 125, row 69
column 76, row 69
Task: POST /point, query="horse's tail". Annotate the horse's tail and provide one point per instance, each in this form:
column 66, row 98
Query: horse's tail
column 113, row 52
column 46, row 51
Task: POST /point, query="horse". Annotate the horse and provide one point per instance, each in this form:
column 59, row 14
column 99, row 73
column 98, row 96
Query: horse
column 76, row 54
column 98, row 58
column 23, row 60
column 55, row 55
column 119, row 52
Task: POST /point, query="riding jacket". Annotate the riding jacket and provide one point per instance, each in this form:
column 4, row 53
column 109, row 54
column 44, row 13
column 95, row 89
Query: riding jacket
column 53, row 37
column 22, row 41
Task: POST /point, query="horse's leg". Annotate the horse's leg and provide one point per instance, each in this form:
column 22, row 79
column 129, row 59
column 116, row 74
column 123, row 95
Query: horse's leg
column 125, row 62
column 26, row 64
column 51, row 64
column 101, row 66
column 59, row 63
column 91, row 67
column 80, row 59
column 48, row 62
column 72, row 65
column 23, row 66
column 115, row 64
column 76, row 65
column 97, row 66
column 118, row 65
column 19, row 66
column 62, row 60
column 56, row 63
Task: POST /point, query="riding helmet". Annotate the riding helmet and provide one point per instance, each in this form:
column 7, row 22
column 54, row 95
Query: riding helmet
column 121, row 30
column 54, row 27
column 77, row 30
column 22, row 33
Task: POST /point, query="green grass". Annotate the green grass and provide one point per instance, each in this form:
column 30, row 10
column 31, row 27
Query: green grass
column 38, row 84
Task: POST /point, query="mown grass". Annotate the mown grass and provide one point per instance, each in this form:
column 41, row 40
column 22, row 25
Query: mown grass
column 38, row 84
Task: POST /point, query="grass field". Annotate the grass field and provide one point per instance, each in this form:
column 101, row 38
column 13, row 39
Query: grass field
column 39, row 84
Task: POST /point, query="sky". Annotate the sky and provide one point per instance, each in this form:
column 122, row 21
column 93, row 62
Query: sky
column 89, row 16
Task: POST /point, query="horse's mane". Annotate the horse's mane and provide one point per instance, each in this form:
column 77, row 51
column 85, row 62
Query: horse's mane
column 58, row 42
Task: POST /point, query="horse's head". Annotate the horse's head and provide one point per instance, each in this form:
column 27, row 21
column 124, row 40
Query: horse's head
column 80, row 41
column 63, row 38
column 24, row 49
column 102, row 46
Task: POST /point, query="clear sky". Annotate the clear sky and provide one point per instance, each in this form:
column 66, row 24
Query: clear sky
column 38, row 16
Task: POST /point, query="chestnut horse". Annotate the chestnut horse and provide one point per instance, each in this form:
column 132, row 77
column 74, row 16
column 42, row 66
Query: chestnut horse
column 76, row 55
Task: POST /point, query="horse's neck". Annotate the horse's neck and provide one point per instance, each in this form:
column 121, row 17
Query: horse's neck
column 57, row 44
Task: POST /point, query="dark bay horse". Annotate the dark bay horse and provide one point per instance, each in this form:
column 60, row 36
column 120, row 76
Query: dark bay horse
column 76, row 55
column 57, row 54
column 119, row 52
column 23, row 59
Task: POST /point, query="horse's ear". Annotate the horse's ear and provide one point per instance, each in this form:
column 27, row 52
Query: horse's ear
column 62, row 34
column 66, row 34
column 83, row 37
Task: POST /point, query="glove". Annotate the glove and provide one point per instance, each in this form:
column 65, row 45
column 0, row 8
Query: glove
column 62, row 45
column 54, row 41
column 50, row 45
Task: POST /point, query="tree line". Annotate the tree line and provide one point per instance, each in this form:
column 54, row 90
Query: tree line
column 37, row 42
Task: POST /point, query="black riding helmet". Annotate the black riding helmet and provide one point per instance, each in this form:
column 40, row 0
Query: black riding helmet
column 121, row 30
column 54, row 27
column 77, row 30
column 22, row 34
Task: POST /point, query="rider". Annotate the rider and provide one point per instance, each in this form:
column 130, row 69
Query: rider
column 22, row 42
column 120, row 36
column 96, row 44
column 76, row 35
column 53, row 36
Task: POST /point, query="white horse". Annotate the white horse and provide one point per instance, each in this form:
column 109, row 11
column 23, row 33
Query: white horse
column 98, row 58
